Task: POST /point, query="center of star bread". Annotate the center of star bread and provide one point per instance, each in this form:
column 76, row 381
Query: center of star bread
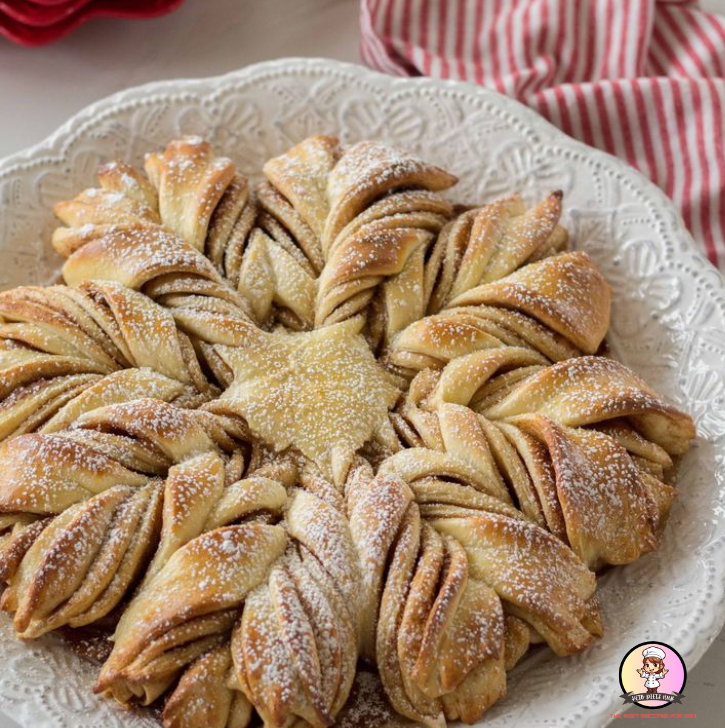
column 321, row 392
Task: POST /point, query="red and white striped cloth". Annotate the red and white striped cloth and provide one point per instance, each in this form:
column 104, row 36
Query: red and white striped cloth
column 641, row 79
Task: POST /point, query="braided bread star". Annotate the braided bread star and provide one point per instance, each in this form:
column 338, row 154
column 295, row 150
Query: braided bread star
column 323, row 450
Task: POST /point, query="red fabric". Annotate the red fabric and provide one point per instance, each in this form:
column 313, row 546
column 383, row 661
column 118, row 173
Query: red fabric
column 641, row 79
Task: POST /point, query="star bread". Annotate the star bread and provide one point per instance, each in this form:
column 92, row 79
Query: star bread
column 324, row 450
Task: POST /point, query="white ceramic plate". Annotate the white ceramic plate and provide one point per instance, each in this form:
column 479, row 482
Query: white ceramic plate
column 668, row 325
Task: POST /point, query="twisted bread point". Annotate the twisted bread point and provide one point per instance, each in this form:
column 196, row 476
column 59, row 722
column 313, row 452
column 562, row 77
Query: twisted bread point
column 207, row 695
column 271, row 257
column 192, row 201
column 294, row 648
column 108, row 325
column 82, row 563
column 203, row 696
column 99, row 477
column 489, row 243
column 594, row 389
column 602, row 492
column 190, row 182
column 125, row 200
column 153, row 260
column 171, row 272
column 253, row 265
column 167, row 625
column 194, row 205
column 34, row 386
column 441, row 560
column 186, row 185
column 79, row 471
column 364, row 217
column 558, row 307
column 566, row 293
column 496, row 278
column 203, row 493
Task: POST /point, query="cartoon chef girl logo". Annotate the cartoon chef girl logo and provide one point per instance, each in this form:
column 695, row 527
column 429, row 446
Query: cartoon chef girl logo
column 652, row 675
column 653, row 668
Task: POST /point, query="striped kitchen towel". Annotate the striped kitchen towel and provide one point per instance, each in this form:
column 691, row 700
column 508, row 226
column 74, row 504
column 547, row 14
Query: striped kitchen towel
column 641, row 79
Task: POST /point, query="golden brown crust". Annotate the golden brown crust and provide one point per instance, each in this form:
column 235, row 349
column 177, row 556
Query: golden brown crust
column 590, row 390
column 190, row 182
column 605, row 506
column 366, row 171
column 203, row 698
column 486, row 244
column 565, row 292
column 301, row 176
column 229, row 562
column 82, row 564
column 125, row 200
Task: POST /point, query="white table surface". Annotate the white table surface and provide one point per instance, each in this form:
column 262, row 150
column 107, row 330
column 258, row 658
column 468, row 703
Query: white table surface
column 42, row 87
